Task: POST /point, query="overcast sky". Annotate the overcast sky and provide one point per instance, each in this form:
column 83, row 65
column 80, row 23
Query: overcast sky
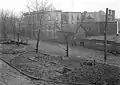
column 66, row 5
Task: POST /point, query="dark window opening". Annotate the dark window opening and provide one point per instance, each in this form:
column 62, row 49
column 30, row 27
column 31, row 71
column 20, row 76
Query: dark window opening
column 77, row 17
column 72, row 17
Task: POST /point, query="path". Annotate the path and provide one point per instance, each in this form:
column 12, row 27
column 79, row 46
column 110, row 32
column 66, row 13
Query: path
column 77, row 52
column 8, row 75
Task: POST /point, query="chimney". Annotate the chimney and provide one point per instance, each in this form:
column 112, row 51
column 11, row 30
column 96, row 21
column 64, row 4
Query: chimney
column 113, row 15
column 110, row 12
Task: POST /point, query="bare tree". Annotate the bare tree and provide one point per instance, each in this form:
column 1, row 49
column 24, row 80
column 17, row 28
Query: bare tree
column 66, row 39
column 20, row 28
column 41, row 9
column 4, row 16
column 8, row 20
column 13, row 19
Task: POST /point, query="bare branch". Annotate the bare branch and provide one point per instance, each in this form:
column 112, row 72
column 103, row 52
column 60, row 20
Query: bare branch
column 41, row 10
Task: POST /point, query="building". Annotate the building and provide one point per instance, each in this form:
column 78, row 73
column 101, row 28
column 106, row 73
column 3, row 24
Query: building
column 118, row 24
column 98, row 16
column 92, row 22
column 49, row 20
column 71, row 17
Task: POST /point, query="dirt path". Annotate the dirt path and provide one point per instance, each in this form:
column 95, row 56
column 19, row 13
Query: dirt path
column 78, row 52
column 9, row 76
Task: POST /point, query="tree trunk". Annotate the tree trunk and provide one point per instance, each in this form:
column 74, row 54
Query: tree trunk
column 33, row 32
column 14, row 32
column 38, row 37
column 18, row 40
column 54, row 30
column 5, row 31
column 67, row 51
column 67, row 47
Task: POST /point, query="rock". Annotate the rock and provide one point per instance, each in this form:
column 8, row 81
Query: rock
column 31, row 58
column 88, row 63
column 65, row 58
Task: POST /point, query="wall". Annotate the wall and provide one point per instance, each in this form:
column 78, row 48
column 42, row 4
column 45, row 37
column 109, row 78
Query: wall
column 97, row 28
column 71, row 17
column 111, row 28
column 74, row 15
column 92, row 28
column 119, row 26
column 48, row 21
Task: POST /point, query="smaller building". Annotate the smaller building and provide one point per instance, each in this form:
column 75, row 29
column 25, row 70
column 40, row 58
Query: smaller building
column 98, row 16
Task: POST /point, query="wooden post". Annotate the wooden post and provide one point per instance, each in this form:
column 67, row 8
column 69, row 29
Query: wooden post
column 105, row 37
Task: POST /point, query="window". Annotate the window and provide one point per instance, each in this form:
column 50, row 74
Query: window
column 65, row 18
column 72, row 17
column 56, row 16
column 78, row 17
column 56, row 19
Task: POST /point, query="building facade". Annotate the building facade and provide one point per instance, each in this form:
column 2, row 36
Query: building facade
column 50, row 22
column 71, row 17
column 57, row 20
column 98, row 16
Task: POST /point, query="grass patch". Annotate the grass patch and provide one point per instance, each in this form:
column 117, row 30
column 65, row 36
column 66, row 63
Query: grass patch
column 41, row 65
column 46, row 66
column 37, row 64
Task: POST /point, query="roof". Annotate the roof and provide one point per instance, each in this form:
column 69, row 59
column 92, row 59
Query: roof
column 73, row 29
column 34, row 12
column 71, row 12
column 70, row 27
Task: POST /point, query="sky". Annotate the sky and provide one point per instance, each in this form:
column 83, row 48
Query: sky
column 66, row 5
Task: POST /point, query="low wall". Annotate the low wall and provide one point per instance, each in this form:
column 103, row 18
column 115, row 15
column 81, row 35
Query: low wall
column 92, row 28
column 111, row 28
column 97, row 28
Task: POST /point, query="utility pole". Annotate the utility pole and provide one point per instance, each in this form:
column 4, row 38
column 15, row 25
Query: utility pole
column 105, row 36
